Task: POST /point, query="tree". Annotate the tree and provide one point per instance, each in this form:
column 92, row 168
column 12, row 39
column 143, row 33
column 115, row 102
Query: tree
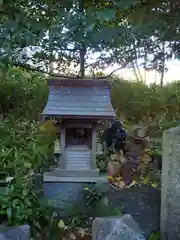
column 121, row 31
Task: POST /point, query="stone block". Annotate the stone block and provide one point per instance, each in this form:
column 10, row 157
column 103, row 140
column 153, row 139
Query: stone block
column 170, row 181
column 58, row 172
column 64, row 191
column 139, row 202
column 116, row 228
column 61, row 194
column 15, row 233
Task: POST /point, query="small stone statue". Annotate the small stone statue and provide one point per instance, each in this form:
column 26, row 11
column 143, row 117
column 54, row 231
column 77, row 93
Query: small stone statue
column 136, row 142
column 134, row 151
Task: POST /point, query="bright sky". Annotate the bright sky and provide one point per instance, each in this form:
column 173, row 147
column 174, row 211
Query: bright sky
column 173, row 73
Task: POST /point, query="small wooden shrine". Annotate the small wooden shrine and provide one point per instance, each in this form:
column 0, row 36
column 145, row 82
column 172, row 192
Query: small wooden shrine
column 78, row 106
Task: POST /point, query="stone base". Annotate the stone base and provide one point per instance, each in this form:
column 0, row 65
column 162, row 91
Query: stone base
column 64, row 191
column 58, row 172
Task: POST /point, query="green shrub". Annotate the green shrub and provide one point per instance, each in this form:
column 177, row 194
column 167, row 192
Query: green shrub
column 156, row 107
column 20, row 205
column 94, row 203
column 22, row 93
column 24, row 148
column 101, row 162
column 152, row 105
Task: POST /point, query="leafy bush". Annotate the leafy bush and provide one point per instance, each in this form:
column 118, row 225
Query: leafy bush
column 22, row 93
column 93, row 203
column 101, row 162
column 20, row 205
column 157, row 107
column 24, row 148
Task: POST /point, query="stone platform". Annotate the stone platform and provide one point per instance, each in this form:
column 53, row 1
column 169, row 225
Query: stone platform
column 58, row 172
column 64, row 191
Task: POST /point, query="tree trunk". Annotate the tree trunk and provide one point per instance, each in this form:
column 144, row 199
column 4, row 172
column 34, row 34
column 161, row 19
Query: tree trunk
column 135, row 65
column 82, row 62
column 83, row 49
column 163, row 65
column 145, row 62
column 139, row 72
column 155, row 75
column 135, row 72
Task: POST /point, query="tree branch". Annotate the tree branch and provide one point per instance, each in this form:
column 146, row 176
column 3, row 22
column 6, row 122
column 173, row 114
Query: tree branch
column 28, row 67
column 109, row 75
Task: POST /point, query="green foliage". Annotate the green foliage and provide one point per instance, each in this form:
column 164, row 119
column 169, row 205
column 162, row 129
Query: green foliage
column 22, row 93
column 155, row 236
column 96, row 201
column 93, row 203
column 128, row 30
column 156, row 107
column 101, row 162
column 25, row 149
column 92, row 195
column 155, row 145
column 20, row 205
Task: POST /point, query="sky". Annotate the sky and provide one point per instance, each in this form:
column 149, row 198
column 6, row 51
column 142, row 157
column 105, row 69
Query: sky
column 172, row 74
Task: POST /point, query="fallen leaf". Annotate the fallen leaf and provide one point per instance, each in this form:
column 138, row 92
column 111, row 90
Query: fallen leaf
column 81, row 232
column 62, row 225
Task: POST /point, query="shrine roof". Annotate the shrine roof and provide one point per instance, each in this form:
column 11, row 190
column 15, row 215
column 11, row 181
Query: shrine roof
column 85, row 99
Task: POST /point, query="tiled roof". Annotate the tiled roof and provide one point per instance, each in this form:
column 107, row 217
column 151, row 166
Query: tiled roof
column 79, row 99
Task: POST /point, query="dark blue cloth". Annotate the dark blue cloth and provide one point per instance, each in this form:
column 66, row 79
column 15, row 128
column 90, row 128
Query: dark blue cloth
column 115, row 136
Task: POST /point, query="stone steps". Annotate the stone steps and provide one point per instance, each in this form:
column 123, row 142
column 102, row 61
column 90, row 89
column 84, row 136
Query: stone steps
column 78, row 157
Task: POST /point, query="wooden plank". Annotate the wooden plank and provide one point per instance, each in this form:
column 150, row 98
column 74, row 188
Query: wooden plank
column 62, row 144
column 78, row 91
column 78, row 82
column 79, row 111
column 94, row 146
column 78, row 125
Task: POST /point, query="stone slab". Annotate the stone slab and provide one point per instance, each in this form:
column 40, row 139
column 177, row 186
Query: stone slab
column 51, row 179
column 142, row 203
column 64, row 191
column 73, row 173
column 116, row 228
column 15, row 233
column 170, row 193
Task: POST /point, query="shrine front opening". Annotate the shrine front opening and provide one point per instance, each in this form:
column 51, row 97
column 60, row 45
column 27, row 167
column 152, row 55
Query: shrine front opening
column 78, row 136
